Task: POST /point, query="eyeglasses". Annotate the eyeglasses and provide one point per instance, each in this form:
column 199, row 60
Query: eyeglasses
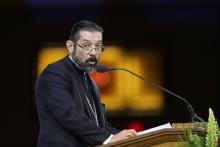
column 88, row 47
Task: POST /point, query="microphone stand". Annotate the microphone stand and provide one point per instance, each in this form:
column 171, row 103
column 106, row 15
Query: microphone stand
column 190, row 109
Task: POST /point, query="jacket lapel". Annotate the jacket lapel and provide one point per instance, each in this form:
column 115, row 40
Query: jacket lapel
column 78, row 88
column 81, row 93
column 100, row 110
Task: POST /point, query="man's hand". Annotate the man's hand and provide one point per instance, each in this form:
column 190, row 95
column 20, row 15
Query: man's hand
column 123, row 135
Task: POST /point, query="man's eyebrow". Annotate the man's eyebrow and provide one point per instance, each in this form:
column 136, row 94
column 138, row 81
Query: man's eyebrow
column 99, row 41
column 85, row 40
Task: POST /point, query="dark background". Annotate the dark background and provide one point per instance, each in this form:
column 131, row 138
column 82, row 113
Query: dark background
column 187, row 33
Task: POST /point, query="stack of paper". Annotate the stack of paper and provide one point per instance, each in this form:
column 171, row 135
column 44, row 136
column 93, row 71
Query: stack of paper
column 165, row 126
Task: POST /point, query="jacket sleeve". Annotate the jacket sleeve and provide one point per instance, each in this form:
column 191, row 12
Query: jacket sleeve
column 53, row 90
column 110, row 128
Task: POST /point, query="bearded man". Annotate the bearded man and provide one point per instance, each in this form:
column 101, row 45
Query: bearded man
column 68, row 104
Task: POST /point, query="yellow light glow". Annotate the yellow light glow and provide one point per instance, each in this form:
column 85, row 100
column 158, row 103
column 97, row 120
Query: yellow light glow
column 49, row 55
column 124, row 91
column 129, row 92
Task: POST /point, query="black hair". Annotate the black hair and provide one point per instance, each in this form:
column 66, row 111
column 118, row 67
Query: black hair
column 86, row 26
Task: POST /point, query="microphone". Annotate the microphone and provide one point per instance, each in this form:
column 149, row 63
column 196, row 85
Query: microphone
column 102, row 68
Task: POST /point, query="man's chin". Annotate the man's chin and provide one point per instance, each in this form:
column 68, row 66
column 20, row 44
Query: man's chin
column 90, row 67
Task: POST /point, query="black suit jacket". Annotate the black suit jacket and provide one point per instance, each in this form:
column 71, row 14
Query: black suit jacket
column 65, row 117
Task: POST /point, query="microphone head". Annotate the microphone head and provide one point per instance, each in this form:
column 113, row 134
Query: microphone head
column 101, row 68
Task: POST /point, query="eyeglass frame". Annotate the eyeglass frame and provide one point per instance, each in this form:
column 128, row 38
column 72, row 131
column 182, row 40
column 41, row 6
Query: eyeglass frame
column 90, row 50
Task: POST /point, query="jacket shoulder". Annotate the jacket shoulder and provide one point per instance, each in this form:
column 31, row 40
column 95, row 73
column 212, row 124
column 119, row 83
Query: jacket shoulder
column 58, row 68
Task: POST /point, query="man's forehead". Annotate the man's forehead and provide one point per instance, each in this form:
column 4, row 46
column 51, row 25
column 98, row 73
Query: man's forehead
column 90, row 36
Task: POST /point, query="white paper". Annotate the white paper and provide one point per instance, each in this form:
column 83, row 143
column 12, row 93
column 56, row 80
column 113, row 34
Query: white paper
column 165, row 126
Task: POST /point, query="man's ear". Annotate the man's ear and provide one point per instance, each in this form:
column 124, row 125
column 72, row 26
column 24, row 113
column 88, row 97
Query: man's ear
column 70, row 46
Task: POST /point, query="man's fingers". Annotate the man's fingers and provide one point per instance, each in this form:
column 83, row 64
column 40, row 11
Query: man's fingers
column 129, row 133
column 132, row 133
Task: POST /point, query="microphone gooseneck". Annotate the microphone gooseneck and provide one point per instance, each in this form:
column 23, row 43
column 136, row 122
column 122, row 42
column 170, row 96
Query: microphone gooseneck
column 102, row 68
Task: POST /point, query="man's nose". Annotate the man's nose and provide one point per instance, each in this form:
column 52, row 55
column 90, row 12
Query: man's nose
column 93, row 51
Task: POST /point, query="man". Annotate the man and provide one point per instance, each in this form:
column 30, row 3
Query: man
column 68, row 103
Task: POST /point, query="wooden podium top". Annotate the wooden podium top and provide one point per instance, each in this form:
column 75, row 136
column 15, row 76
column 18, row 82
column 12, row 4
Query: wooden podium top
column 156, row 137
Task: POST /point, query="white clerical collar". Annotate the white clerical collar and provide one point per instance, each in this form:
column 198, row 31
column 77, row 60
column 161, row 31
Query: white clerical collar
column 71, row 59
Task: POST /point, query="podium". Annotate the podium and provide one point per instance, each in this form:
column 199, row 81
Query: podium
column 169, row 137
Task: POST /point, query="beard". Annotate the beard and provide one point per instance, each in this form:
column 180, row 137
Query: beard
column 88, row 65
